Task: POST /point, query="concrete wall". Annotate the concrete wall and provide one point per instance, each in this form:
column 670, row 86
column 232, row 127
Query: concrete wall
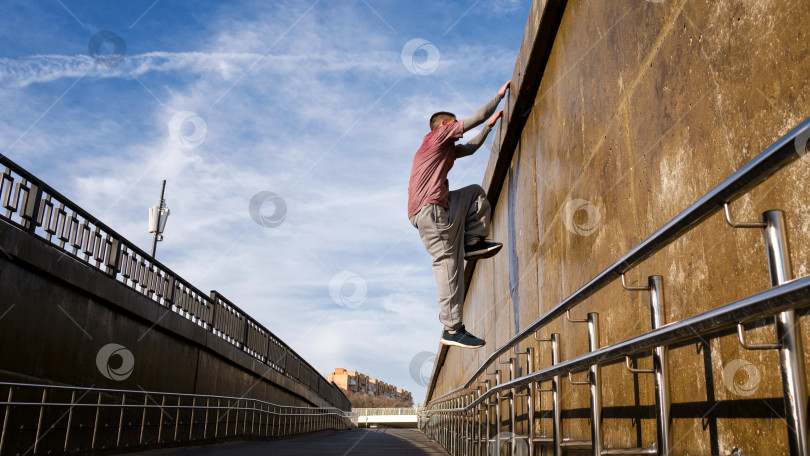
column 56, row 314
column 638, row 108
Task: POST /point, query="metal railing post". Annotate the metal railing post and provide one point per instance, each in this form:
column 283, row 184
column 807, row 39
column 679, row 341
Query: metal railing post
column 253, row 417
column 596, row 385
column 216, row 422
column 177, row 418
column 791, row 355
column 556, row 396
column 227, row 417
column 465, row 425
column 205, row 426
column 95, row 425
column 488, row 419
column 273, row 417
column 143, row 420
column 660, row 365
column 39, row 421
column 512, row 405
column 497, row 413
column 5, row 419
column 121, row 420
column 30, row 211
column 70, row 420
column 530, row 400
column 476, row 424
column 454, row 428
column 191, row 422
column 660, row 368
column 789, row 342
column 458, row 441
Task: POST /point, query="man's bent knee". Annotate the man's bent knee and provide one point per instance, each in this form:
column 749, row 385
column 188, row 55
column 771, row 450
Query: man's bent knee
column 474, row 189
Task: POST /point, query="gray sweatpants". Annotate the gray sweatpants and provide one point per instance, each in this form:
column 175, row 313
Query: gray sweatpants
column 444, row 233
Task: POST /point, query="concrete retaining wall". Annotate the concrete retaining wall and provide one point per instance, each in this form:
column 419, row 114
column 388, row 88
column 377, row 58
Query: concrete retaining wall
column 58, row 313
column 622, row 114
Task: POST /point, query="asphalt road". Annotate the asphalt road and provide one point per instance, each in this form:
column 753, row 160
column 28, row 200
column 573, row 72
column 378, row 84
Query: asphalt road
column 359, row 442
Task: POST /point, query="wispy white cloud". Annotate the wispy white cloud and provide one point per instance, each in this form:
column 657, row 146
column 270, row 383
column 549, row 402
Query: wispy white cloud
column 21, row 72
column 46, row 68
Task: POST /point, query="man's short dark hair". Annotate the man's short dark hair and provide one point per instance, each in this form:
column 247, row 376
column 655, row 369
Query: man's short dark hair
column 441, row 116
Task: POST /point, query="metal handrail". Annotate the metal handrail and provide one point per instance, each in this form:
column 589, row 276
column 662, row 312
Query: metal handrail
column 755, row 171
column 197, row 418
column 772, row 301
column 127, row 391
column 111, row 252
column 152, row 393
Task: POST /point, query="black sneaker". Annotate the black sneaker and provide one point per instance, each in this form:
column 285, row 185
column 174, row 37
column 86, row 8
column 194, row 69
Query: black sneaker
column 481, row 249
column 461, row 338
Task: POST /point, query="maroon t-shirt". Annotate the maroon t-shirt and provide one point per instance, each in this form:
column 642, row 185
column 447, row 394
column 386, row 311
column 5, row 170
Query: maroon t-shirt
column 432, row 162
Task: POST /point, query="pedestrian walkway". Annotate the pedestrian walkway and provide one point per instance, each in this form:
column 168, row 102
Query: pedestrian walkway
column 359, row 442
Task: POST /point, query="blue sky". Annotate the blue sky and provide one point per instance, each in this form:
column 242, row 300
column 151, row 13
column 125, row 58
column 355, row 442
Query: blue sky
column 318, row 102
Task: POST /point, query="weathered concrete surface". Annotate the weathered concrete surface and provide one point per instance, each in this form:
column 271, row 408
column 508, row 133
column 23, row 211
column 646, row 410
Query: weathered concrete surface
column 360, row 442
column 56, row 313
column 642, row 108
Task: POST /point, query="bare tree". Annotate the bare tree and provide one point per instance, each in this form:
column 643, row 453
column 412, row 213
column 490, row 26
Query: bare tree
column 363, row 400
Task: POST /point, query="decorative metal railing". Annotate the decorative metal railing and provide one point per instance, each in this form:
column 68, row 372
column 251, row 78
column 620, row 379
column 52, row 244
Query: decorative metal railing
column 462, row 419
column 35, row 207
column 47, row 419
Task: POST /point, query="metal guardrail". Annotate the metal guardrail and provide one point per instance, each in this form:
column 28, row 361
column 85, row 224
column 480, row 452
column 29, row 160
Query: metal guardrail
column 458, row 423
column 50, row 419
column 789, row 296
column 455, row 418
column 30, row 204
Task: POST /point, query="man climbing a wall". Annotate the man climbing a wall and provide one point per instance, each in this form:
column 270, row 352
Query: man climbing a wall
column 454, row 224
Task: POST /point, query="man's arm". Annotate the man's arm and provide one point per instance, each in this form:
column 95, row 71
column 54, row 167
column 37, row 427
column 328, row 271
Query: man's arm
column 475, row 143
column 485, row 111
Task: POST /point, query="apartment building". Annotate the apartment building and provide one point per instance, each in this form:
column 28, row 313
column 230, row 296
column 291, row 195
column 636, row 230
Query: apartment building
column 361, row 383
